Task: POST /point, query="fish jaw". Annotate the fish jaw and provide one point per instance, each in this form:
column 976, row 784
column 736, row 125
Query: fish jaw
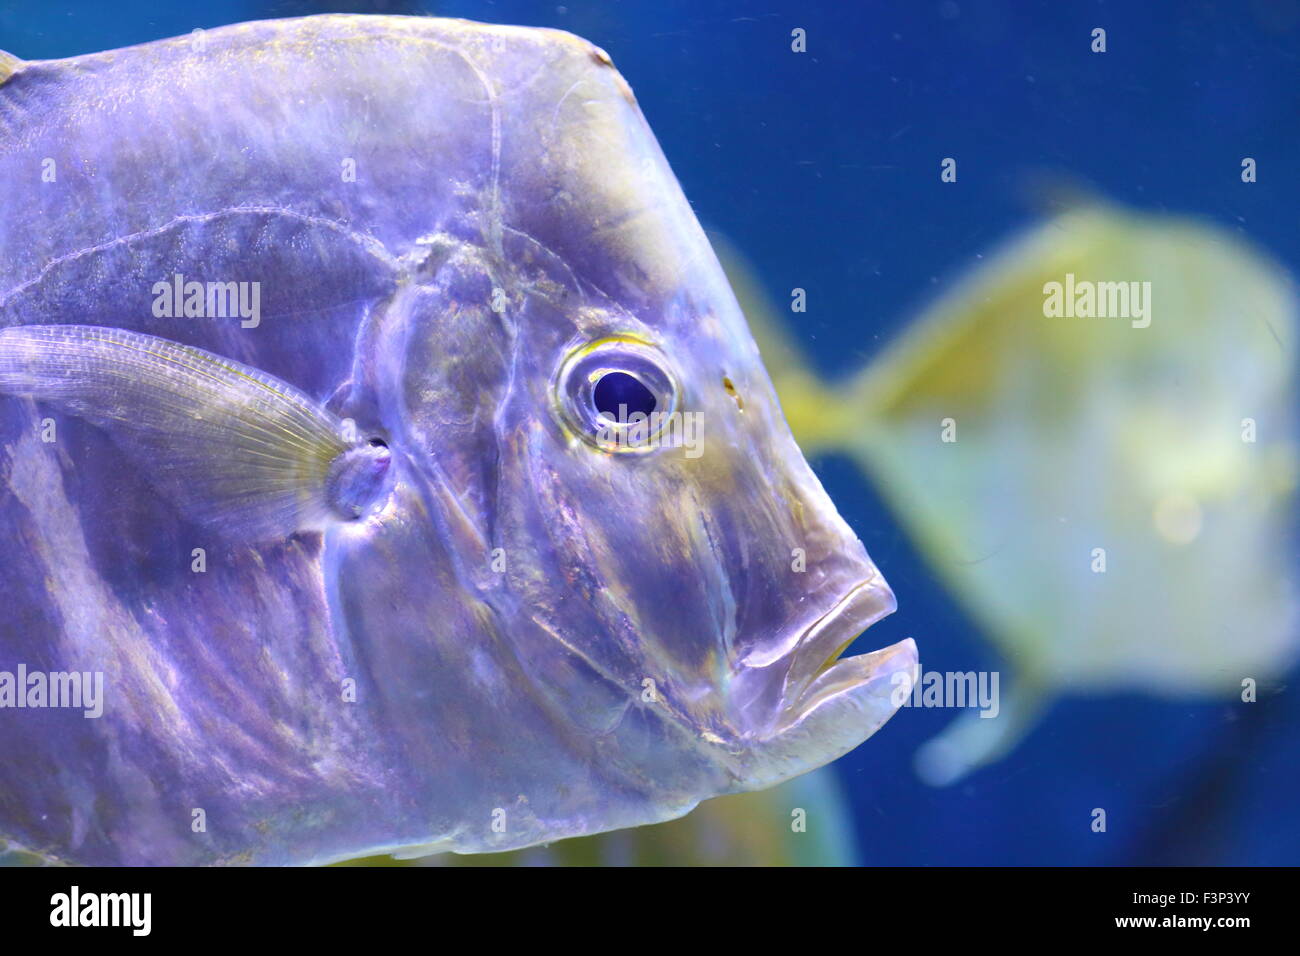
column 829, row 705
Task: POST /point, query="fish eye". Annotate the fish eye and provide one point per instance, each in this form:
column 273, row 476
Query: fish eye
column 616, row 393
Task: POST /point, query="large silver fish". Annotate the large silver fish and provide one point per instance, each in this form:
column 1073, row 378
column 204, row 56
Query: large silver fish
column 317, row 343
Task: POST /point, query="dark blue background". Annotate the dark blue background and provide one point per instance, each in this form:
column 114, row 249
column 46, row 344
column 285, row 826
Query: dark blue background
column 823, row 169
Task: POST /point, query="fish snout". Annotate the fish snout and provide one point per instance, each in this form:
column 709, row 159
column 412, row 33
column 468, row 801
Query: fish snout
column 803, row 705
column 847, row 704
column 817, row 652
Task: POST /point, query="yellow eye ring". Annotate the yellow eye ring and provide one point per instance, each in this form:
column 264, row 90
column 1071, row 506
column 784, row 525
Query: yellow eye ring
column 616, row 393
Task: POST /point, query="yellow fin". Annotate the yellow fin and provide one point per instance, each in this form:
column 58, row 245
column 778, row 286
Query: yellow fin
column 9, row 65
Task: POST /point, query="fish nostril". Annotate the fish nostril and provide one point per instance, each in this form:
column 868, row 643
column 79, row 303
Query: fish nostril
column 731, row 390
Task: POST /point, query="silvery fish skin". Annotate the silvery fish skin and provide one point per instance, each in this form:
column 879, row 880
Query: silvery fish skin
column 525, row 634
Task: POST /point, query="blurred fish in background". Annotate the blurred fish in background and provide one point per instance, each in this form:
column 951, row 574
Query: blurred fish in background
column 1109, row 496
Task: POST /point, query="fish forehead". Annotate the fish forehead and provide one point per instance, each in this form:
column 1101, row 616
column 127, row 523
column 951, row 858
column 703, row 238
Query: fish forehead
column 446, row 125
column 496, row 138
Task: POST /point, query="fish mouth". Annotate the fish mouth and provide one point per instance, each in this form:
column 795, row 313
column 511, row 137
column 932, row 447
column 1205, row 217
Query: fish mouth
column 817, row 671
column 830, row 704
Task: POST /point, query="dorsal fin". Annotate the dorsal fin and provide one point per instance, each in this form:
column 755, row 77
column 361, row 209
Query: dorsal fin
column 9, row 65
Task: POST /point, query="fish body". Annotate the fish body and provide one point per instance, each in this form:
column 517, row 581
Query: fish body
column 303, row 326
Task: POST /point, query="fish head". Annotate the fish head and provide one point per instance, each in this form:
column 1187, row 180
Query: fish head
column 670, row 532
column 651, row 555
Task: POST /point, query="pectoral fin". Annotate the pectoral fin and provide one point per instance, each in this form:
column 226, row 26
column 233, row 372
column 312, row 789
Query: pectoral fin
column 230, row 446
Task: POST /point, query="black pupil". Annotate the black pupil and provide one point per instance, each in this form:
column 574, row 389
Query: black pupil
column 618, row 389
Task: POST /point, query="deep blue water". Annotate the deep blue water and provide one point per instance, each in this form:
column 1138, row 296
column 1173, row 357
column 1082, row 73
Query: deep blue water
column 823, row 169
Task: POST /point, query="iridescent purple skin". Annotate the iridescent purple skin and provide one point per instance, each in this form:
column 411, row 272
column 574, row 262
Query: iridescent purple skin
column 506, row 612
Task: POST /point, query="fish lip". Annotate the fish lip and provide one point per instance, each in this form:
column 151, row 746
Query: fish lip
column 828, row 705
column 817, row 652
